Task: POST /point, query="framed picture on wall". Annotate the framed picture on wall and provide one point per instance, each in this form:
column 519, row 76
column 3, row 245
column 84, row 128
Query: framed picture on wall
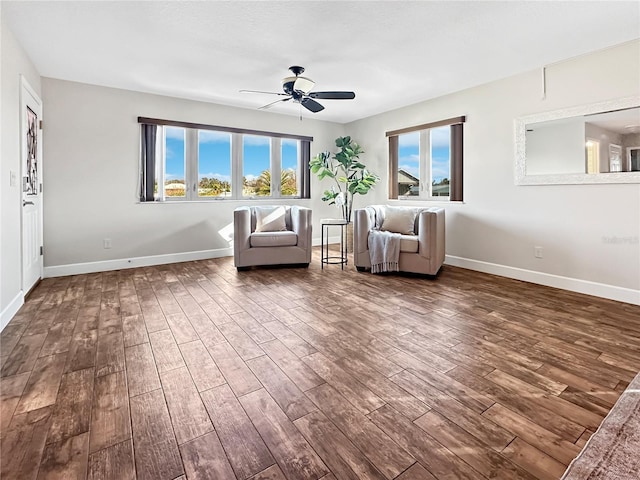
column 615, row 158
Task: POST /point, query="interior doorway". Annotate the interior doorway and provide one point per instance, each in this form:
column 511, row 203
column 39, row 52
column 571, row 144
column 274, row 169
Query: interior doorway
column 593, row 156
column 31, row 185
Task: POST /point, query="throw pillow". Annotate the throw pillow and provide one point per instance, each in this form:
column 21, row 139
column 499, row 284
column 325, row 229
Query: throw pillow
column 270, row 219
column 399, row 220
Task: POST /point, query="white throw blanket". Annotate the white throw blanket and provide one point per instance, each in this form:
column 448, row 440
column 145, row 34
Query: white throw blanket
column 384, row 251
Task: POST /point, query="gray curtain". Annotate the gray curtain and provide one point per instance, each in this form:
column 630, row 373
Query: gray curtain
column 455, row 194
column 148, row 162
column 393, row 167
column 305, row 180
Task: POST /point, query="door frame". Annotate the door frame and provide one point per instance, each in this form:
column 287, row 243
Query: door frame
column 26, row 90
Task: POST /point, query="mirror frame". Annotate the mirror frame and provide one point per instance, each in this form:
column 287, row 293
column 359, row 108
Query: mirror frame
column 520, row 123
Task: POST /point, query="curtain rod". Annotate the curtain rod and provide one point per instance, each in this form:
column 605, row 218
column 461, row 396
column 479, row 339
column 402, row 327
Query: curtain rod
column 204, row 126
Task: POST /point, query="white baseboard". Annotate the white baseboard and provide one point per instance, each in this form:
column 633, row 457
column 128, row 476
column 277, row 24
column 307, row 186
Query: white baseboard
column 611, row 292
column 11, row 309
column 122, row 263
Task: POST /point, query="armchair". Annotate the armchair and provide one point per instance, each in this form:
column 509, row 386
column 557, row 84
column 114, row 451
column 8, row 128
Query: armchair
column 422, row 252
column 277, row 235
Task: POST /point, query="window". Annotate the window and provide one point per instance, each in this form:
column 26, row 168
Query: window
column 214, row 164
column 425, row 162
column 203, row 162
column 289, row 168
column 256, row 163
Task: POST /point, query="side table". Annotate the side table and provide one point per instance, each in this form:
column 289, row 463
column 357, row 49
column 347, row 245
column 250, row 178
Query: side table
column 325, row 223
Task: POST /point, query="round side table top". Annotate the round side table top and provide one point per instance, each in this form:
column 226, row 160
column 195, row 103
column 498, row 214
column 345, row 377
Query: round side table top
column 333, row 221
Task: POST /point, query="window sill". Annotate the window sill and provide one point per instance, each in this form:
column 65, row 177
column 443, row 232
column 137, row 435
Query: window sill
column 229, row 200
column 427, row 200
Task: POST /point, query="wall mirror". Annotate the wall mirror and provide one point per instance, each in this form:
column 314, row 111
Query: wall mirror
column 596, row 143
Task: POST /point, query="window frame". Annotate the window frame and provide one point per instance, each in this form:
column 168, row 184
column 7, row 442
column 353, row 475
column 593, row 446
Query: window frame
column 192, row 179
column 426, row 164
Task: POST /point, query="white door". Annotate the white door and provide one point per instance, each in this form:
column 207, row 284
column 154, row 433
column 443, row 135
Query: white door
column 31, row 152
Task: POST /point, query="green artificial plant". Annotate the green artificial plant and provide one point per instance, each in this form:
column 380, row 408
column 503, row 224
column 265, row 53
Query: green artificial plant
column 349, row 174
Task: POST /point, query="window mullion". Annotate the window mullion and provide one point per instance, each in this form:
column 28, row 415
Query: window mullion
column 162, row 164
column 429, row 166
column 299, row 173
column 425, row 157
column 276, row 167
column 191, row 167
column 236, row 167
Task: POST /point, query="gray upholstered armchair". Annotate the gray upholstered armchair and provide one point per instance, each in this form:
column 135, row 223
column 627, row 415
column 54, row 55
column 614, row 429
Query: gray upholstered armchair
column 421, row 252
column 276, row 235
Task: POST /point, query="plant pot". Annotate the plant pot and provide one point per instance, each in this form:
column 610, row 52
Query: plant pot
column 348, row 237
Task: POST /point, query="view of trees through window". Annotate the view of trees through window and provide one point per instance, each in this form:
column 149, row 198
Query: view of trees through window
column 213, row 162
column 175, row 161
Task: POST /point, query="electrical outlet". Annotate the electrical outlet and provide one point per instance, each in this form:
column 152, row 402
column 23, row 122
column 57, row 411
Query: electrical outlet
column 106, row 243
column 537, row 252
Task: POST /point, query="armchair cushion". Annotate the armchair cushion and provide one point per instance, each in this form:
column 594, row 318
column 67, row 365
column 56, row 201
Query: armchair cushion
column 399, row 220
column 409, row 243
column 270, row 219
column 273, row 239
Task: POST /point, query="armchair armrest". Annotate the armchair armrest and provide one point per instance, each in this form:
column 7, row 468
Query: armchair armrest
column 301, row 225
column 364, row 221
column 241, row 231
column 431, row 240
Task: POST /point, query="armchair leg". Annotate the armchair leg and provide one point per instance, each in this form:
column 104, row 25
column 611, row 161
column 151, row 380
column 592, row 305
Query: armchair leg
column 361, row 269
column 243, row 269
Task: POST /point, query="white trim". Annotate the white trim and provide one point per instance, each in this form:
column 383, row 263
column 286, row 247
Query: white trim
column 587, row 287
column 123, row 263
column 10, row 310
column 26, row 90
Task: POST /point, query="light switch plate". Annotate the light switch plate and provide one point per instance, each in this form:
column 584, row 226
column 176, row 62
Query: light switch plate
column 13, row 178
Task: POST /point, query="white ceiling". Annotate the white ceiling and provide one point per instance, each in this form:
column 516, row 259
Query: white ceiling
column 391, row 53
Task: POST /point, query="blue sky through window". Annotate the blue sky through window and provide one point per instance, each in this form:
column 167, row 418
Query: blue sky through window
column 440, row 153
column 289, row 154
column 214, row 155
column 409, row 153
column 256, row 155
column 174, row 153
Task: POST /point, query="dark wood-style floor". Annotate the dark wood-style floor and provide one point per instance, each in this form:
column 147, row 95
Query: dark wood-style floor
column 197, row 371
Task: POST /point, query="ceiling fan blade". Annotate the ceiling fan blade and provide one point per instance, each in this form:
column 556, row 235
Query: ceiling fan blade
column 267, row 93
column 269, row 105
column 333, row 95
column 311, row 105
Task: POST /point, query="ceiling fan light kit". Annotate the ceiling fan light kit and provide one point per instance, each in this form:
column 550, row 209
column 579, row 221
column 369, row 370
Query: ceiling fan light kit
column 299, row 88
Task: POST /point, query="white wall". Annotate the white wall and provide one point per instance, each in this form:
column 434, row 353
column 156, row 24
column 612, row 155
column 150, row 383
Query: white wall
column 585, row 235
column 14, row 62
column 90, row 179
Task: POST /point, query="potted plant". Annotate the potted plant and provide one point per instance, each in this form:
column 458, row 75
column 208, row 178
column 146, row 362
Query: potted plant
column 349, row 174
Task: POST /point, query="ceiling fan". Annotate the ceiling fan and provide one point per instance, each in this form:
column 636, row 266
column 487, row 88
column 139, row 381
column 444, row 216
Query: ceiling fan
column 299, row 88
